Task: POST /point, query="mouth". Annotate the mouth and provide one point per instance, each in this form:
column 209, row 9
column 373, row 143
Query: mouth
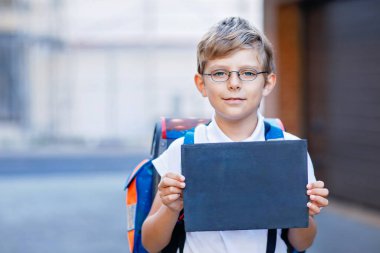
column 233, row 100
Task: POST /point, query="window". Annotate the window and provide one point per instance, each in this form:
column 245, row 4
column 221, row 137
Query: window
column 10, row 80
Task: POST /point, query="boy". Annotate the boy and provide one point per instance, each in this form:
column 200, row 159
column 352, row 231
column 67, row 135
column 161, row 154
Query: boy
column 235, row 71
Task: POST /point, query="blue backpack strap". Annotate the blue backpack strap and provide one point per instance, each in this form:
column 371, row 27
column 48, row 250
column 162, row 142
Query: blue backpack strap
column 139, row 201
column 271, row 240
column 273, row 132
column 135, row 172
column 189, row 137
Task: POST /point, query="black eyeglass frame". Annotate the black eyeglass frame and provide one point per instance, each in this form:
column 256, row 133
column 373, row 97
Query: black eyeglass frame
column 237, row 72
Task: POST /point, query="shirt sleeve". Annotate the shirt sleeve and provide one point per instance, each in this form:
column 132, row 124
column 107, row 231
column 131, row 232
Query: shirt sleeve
column 170, row 160
column 310, row 167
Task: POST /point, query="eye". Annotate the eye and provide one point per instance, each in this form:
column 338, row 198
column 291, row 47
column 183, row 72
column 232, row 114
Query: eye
column 219, row 73
column 248, row 72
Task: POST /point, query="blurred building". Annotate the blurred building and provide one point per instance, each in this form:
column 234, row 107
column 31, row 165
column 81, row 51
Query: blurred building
column 92, row 74
column 329, row 92
column 99, row 73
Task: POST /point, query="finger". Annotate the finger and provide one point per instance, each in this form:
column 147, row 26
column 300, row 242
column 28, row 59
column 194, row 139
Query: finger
column 313, row 209
column 170, row 190
column 170, row 198
column 168, row 182
column 318, row 191
column 175, row 176
column 319, row 201
column 317, row 184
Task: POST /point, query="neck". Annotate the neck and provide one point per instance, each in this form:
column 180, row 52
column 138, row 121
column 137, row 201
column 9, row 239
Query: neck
column 237, row 130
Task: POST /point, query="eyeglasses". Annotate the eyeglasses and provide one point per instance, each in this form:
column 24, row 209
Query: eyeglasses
column 221, row 75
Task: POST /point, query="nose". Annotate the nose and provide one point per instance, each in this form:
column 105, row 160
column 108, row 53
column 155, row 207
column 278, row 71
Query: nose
column 234, row 82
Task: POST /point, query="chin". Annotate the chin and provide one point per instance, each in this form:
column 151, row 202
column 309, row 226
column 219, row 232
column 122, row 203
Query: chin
column 235, row 118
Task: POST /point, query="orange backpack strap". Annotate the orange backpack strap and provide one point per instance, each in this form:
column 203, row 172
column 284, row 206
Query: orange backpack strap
column 138, row 201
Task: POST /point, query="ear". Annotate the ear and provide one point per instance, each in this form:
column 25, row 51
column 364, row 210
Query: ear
column 269, row 84
column 199, row 82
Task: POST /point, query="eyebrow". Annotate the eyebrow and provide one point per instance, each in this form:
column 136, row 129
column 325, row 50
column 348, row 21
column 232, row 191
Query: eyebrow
column 224, row 67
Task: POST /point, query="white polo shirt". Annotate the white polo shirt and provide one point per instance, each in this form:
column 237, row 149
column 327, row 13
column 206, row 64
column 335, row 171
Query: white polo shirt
column 237, row 241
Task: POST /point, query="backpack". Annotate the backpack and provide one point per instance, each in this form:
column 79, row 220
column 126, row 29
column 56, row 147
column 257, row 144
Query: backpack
column 142, row 183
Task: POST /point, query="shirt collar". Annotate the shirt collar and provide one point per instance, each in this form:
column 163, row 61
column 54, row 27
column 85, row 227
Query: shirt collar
column 215, row 134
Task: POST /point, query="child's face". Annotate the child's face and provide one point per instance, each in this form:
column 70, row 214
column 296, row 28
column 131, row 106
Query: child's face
column 234, row 99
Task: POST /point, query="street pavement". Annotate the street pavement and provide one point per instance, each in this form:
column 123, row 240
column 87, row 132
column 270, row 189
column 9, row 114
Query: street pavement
column 83, row 211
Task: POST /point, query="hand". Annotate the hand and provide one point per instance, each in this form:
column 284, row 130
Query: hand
column 170, row 191
column 318, row 197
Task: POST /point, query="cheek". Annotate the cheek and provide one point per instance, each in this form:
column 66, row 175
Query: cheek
column 213, row 96
column 255, row 92
column 212, row 91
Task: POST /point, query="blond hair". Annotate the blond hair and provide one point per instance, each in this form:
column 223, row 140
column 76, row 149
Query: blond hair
column 232, row 34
